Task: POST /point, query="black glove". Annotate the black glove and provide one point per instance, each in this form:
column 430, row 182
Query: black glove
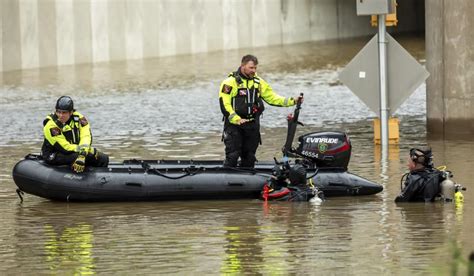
column 94, row 152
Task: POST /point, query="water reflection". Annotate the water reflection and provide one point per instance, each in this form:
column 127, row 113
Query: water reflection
column 69, row 250
column 242, row 237
column 243, row 251
column 425, row 228
column 423, row 220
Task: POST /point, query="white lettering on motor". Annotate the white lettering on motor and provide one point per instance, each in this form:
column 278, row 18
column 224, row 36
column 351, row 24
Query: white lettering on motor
column 322, row 140
column 310, row 154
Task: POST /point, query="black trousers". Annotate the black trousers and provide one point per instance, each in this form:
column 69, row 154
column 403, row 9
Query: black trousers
column 241, row 141
column 59, row 158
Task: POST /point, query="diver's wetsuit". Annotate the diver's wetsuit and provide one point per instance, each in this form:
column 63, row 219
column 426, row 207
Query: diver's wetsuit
column 421, row 186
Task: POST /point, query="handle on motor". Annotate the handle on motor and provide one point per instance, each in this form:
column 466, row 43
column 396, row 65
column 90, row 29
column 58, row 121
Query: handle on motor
column 292, row 123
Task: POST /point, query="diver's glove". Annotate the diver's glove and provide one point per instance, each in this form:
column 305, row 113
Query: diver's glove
column 80, row 163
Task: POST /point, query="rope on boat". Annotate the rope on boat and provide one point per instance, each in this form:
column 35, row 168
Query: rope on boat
column 189, row 172
column 192, row 170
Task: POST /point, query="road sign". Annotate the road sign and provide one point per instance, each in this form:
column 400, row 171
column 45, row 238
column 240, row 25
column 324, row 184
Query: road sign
column 369, row 7
column 404, row 75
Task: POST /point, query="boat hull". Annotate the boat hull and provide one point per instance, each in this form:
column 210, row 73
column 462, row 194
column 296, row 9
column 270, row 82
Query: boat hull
column 168, row 180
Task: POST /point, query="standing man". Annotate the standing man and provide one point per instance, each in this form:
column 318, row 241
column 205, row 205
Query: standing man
column 240, row 98
column 68, row 139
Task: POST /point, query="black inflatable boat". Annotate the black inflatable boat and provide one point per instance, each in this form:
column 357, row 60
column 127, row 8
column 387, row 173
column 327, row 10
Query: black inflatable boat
column 323, row 155
column 136, row 180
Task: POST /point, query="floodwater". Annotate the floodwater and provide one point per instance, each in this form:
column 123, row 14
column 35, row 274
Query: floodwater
column 167, row 108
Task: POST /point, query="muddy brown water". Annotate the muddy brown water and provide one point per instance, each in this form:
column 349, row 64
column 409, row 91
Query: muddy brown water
column 168, row 108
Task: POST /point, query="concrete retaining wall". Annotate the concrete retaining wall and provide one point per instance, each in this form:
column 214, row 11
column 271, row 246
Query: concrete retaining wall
column 39, row 33
column 450, row 61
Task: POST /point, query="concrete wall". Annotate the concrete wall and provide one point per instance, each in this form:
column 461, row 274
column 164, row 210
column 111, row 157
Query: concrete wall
column 450, row 61
column 39, row 33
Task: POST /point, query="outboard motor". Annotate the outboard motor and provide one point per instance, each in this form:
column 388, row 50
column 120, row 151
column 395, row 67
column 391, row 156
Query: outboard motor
column 325, row 149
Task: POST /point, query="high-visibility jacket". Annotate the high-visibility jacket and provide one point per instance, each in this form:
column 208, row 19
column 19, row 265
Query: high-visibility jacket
column 241, row 98
column 72, row 136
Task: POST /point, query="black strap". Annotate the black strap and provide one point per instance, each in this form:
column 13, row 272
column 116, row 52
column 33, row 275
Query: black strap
column 55, row 119
column 237, row 77
column 20, row 194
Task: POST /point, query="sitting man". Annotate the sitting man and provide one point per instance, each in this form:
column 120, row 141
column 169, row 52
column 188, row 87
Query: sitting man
column 68, row 138
column 422, row 183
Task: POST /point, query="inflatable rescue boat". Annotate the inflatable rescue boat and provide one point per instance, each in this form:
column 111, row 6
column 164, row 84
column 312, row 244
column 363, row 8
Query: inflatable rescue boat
column 142, row 180
column 321, row 157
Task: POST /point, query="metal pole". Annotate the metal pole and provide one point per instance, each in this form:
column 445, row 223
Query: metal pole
column 383, row 82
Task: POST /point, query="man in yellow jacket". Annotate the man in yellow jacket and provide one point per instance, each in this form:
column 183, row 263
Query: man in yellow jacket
column 241, row 97
column 68, row 139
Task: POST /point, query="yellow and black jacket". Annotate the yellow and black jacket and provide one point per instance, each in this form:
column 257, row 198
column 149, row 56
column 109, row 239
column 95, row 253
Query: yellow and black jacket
column 66, row 138
column 241, row 98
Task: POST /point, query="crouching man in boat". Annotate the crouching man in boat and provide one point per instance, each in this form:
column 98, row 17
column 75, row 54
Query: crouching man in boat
column 241, row 97
column 68, row 139
column 422, row 183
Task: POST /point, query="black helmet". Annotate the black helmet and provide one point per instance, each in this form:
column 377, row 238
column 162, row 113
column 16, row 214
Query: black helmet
column 422, row 156
column 65, row 103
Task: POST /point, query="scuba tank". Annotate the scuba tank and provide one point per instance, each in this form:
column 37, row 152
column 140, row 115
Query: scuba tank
column 450, row 190
column 458, row 196
column 447, row 187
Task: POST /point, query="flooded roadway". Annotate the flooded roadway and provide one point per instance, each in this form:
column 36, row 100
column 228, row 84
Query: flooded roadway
column 168, row 108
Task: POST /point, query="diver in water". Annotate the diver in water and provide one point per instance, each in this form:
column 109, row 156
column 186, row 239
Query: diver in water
column 289, row 184
column 422, row 183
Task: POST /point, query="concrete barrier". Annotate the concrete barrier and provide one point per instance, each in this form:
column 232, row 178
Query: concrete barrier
column 450, row 59
column 63, row 32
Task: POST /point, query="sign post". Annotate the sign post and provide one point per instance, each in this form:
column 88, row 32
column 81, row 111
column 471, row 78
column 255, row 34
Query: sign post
column 383, row 74
column 382, row 42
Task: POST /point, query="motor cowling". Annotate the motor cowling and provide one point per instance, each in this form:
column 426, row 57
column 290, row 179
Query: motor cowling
column 325, row 149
